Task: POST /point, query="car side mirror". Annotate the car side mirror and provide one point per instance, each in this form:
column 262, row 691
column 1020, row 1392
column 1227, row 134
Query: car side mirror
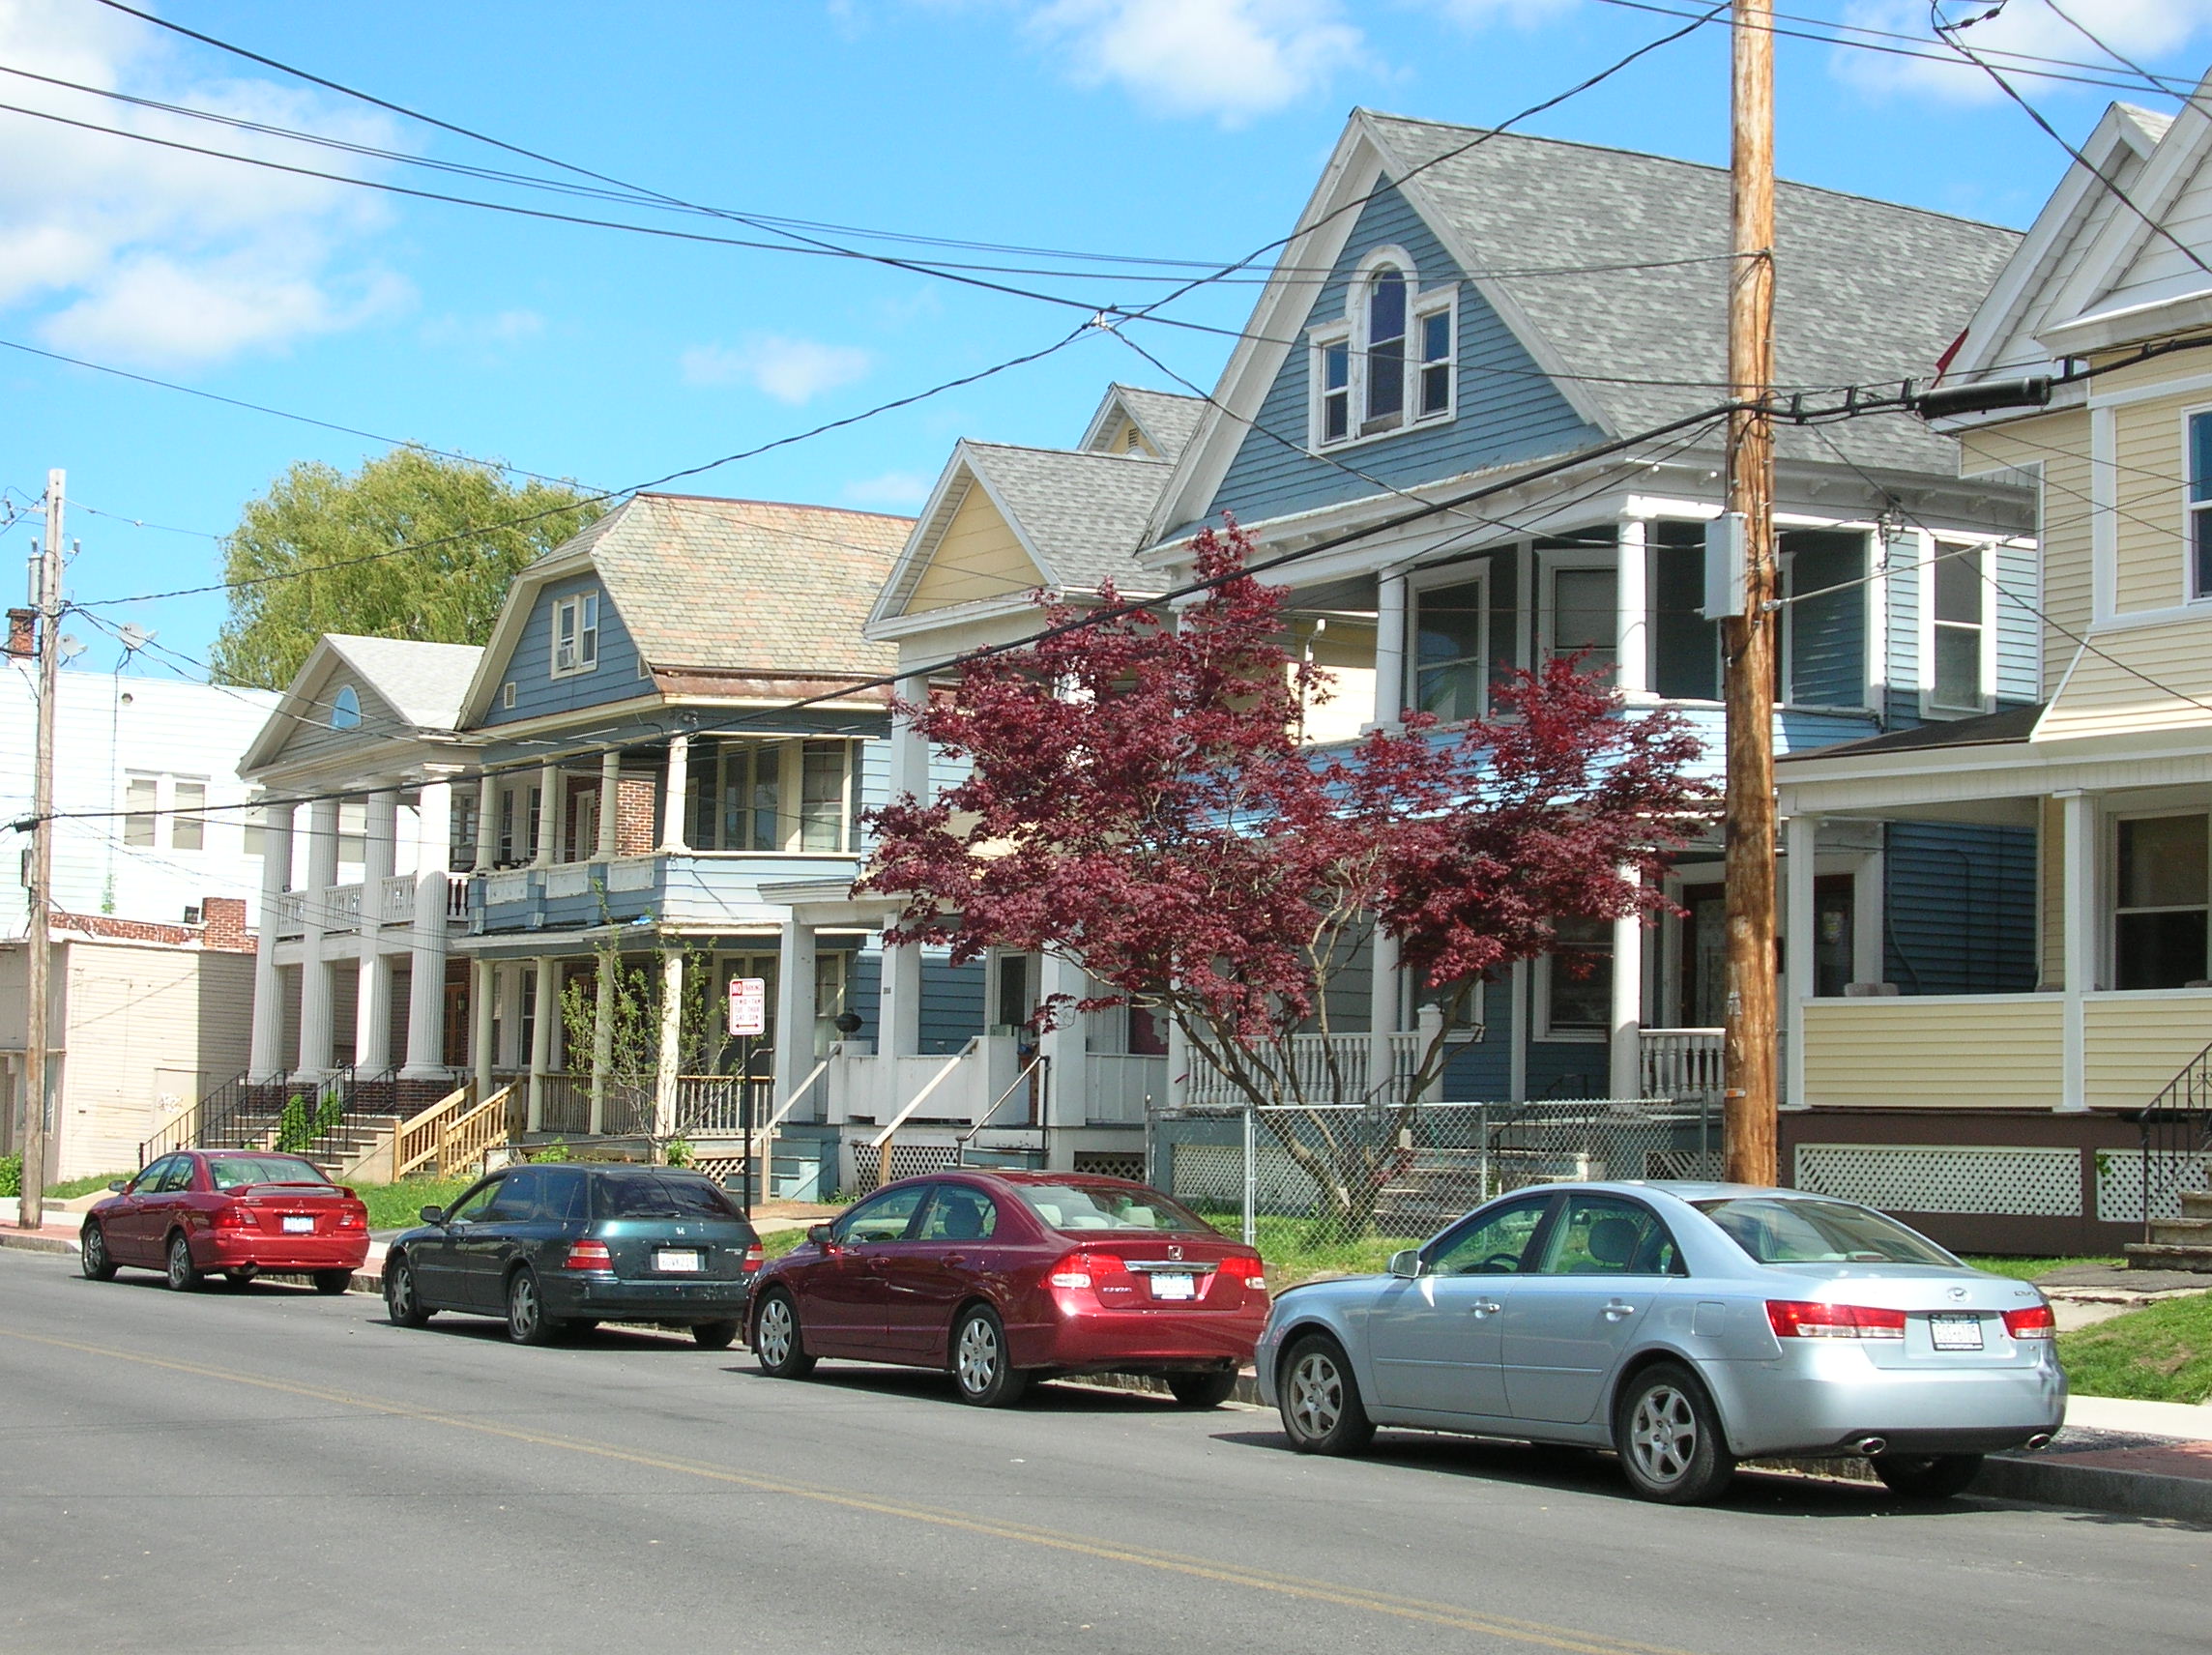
column 433, row 1215
column 1406, row 1263
column 820, row 1235
column 118, row 1185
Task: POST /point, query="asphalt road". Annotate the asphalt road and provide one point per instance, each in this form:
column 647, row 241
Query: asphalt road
column 269, row 1469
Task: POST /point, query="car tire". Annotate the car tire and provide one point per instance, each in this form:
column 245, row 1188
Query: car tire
column 779, row 1346
column 1669, row 1438
column 1203, row 1390
column 93, row 1257
column 980, row 1372
column 181, row 1274
column 241, row 1278
column 715, row 1335
column 329, row 1281
column 527, row 1323
column 1926, row 1476
column 402, row 1303
column 1318, row 1399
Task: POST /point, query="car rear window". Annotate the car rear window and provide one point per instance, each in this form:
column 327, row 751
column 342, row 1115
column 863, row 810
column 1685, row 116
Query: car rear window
column 232, row 1172
column 1074, row 1207
column 1801, row 1232
column 645, row 1194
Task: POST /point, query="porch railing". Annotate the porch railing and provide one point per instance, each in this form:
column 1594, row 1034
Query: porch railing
column 1680, row 1063
column 2177, row 1141
column 720, row 1104
column 1325, row 1069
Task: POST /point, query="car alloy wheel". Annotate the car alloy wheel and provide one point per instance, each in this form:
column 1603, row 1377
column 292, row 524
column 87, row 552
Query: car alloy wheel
column 777, row 1346
column 527, row 1323
column 401, row 1303
column 183, row 1274
column 1318, row 1400
column 92, row 1255
column 1670, row 1439
column 979, row 1362
column 1663, row 1435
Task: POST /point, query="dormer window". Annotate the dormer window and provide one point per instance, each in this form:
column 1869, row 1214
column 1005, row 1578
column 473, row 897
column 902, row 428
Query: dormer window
column 575, row 634
column 1390, row 363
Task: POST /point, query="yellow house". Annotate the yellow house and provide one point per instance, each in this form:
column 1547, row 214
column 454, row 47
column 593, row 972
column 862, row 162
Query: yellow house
column 2067, row 1111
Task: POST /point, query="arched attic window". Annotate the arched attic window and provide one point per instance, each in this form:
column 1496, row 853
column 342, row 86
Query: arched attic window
column 1390, row 364
column 345, row 710
column 1385, row 345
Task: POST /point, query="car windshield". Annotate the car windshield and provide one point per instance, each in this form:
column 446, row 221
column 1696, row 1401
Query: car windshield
column 232, row 1172
column 1107, row 1207
column 658, row 1195
column 1776, row 1230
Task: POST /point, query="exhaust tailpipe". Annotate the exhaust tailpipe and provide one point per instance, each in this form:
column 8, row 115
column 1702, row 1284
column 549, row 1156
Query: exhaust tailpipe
column 1870, row 1446
column 2041, row 1439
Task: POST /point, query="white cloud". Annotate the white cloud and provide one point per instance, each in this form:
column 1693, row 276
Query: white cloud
column 895, row 489
column 790, row 370
column 153, row 255
column 1231, row 59
column 483, row 336
column 1521, row 13
column 2138, row 28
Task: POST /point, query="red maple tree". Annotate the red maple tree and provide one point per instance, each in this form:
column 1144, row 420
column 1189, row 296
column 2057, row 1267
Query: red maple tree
column 1138, row 802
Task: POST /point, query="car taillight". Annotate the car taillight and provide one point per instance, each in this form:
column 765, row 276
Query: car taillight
column 588, row 1256
column 235, row 1218
column 2035, row 1321
column 1251, row 1271
column 353, row 1219
column 1804, row 1318
column 1082, row 1270
column 754, row 1257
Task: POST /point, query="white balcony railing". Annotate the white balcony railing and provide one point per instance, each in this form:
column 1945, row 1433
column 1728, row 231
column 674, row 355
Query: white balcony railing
column 1680, row 1063
column 1328, row 1068
column 398, row 899
column 456, row 896
column 291, row 915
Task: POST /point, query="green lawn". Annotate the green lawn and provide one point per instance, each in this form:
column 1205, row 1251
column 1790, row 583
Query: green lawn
column 394, row 1206
column 2028, row 1270
column 778, row 1242
column 1296, row 1251
column 2161, row 1354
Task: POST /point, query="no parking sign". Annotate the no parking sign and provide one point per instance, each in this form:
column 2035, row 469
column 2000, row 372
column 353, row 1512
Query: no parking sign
column 748, row 1005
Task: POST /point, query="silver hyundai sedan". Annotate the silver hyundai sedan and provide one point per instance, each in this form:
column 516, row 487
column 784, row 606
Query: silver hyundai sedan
column 1688, row 1327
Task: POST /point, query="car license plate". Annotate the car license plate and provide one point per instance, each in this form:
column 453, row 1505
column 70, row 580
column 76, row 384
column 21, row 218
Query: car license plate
column 1174, row 1284
column 674, row 1258
column 1956, row 1330
column 299, row 1224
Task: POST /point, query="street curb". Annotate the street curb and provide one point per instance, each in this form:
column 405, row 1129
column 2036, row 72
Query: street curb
column 28, row 1241
column 2049, row 1480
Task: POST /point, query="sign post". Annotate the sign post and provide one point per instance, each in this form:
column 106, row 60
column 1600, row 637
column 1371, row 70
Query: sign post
column 749, row 1022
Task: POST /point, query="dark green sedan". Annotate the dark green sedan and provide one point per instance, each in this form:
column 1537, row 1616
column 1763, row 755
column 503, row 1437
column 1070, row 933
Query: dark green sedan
column 559, row 1249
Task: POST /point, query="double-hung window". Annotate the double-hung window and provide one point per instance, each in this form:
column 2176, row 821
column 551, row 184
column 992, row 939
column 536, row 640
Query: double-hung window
column 1386, row 350
column 1451, row 643
column 772, row 796
column 188, row 828
column 575, row 634
column 1392, row 359
column 2165, row 890
column 1333, row 365
column 2200, row 505
column 1575, row 983
column 1434, row 330
column 1958, row 639
column 140, row 797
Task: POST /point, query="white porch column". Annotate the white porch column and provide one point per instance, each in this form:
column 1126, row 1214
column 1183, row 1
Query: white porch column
column 1066, row 1045
column 487, row 821
column 1632, row 600
column 427, row 939
column 1384, row 999
column 508, row 980
column 1391, row 621
column 1181, row 1056
column 603, row 1036
column 795, row 1009
column 610, row 804
column 898, row 1014
column 675, row 794
column 1430, row 1022
column 314, row 1059
column 372, row 992
column 267, row 1048
column 483, row 984
column 671, row 1043
column 1624, row 1041
column 2078, row 883
column 547, row 1006
column 1800, row 836
column 910, row 751
column 549, row 814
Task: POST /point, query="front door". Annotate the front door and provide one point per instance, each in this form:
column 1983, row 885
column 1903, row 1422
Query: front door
column 1704, row 957
column 1580, row 1302
column 841, row 1305
column 1436, row 1341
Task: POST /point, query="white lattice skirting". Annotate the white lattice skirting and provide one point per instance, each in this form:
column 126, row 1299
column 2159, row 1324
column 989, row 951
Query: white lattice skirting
column 2121, row 1184
column 1970, row 1179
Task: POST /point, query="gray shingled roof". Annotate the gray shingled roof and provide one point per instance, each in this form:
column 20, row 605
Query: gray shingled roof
column 1169, row 421
column 746, row 585
column 1865, row 290
column 425, row 683
column 1083, row 512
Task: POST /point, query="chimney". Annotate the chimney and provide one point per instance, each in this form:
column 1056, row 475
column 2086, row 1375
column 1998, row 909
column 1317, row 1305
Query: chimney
column 225, row 917
column 22, row 633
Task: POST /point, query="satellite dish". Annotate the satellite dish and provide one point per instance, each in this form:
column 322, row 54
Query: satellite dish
column 133, row 636
column 72, row 647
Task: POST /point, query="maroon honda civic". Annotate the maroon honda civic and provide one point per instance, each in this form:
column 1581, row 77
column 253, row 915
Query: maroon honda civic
column 1008, row 1277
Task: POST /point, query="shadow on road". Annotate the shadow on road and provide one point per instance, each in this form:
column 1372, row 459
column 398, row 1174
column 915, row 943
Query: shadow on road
column 927, row 1384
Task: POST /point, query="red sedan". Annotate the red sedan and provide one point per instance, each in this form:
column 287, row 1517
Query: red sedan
column 238, row 1211
column 1004, row 1278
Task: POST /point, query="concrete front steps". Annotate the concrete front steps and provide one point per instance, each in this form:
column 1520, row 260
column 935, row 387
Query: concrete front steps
column 2183, row 1243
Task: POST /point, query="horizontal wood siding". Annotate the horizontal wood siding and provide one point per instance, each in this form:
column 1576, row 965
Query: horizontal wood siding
column 2148, row 486
column 2137, row 680
column 1507, row 409
column 1960, row 906
column 2160, row 262
column 951, row 1003
column 2135, row 1043
column 1936, row 1054
column 2050, row 852
column 2058, row 446
column 1685, row 647
column 1827, row 617
column 1901, row 629
column 977, row 557
column 2020, row 633
column 529, row 667
column 310, row 736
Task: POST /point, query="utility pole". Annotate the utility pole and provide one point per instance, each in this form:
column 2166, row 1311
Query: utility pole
column 46, row 598
column 1749, row 1130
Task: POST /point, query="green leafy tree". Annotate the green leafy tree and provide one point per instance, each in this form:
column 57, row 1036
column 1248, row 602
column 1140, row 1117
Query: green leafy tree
column 320, row 532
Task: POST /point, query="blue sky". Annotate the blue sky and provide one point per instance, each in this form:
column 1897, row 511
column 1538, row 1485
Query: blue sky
column 1168, row 129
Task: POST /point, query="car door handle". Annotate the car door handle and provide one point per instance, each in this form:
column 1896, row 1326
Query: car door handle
column 954, row 1259
column 1615, row 1310
column 1484, row 1307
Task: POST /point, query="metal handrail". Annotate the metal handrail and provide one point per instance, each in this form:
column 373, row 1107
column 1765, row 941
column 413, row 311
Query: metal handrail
column 2176, row 1128
column 915, row 1102
column 1037, row 1060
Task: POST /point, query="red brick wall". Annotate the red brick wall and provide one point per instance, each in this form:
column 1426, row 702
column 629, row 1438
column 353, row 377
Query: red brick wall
column 222, row 927
column 634, row 816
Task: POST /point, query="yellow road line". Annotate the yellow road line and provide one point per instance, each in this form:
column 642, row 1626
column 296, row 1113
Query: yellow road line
column 1530, row 1632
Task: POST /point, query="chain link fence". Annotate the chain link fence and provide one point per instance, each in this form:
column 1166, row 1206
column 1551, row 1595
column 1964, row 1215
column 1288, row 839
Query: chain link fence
column 1352, row 1182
